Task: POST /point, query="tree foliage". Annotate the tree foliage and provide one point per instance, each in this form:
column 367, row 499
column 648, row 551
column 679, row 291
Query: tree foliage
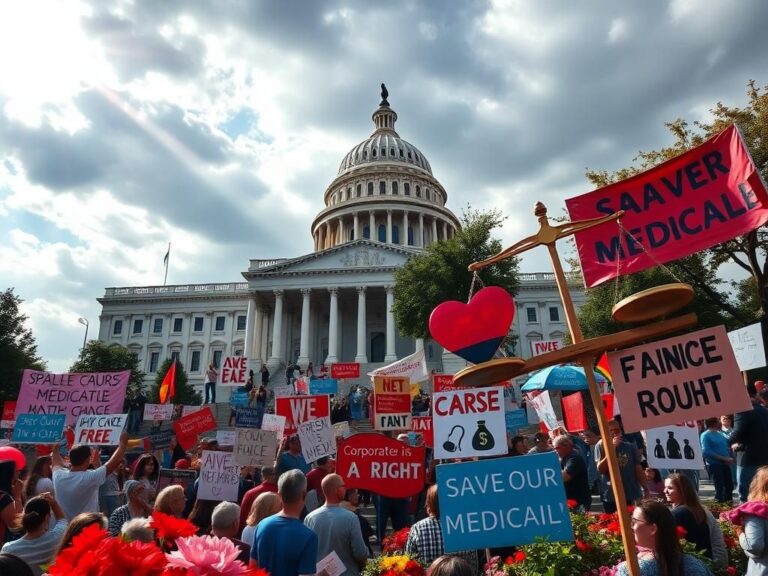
column 441, row 273
column 185, row 392
column 100, row 357
column 18, row 349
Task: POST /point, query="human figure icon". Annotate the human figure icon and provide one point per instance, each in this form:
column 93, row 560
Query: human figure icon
column 673, row 447
column 658, row 450
column 688, row 453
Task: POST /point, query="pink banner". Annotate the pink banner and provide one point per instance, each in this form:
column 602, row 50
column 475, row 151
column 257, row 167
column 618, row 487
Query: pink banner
column 701, row 198
column 72, row 394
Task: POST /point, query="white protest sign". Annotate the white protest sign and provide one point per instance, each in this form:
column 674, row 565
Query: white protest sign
column 233, row 371
column 341, row 429
column 331, row 565
column 544, row 346
column 225, row 437
column 155, row 412
column 103, row 430
column 542, row 404
column 186, row 410
column 219, row 476
column 469, row 423
column 674, row 447
column 254, row 447
column 282, row 391
column 317, row 438
column 748, row 347
column 275, row 423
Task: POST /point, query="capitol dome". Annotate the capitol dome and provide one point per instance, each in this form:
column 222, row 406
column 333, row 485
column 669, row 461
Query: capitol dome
column 384, row 191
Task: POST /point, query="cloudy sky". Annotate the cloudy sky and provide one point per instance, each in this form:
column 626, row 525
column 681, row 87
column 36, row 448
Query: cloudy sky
column 217, row 125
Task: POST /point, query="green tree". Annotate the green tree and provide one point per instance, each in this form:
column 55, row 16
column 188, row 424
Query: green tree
column 185, row 393
column 18, row 349
column 100, row 357
column 441, row 273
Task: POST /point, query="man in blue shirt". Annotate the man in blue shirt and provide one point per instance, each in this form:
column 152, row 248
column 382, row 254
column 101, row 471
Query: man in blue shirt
column 718, row 456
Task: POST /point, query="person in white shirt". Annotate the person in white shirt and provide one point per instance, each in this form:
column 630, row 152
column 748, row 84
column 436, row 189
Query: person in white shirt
column 77, row 487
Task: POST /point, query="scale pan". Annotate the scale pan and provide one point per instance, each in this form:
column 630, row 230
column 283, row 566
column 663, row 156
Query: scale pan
column 489, row 373
column 653, row 303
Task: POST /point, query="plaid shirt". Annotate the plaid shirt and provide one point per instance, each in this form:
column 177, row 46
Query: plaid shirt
column 425, row 540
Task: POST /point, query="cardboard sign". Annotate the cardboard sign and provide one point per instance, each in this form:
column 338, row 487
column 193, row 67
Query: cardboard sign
column 317, row 438
column 380, row 464
column 323, row 386
column 255, row 447
column 281, row 391
column 342, row 370
column 233, row 371
column 674, row 447
column 298, row 409
column 160, row 439
column 708, row 195
column 542, row 405
column 9, row 414
column 275, row 423
column 100, row 430
column 72, row 394
column 748, row 347
column 38, row 428
column 502, row 502
column 423, row 425
column 544, row 346
column 188, row 428
column 392, row 402
column 171, row 476
column 158, row 412
column 469, row 423
column 689, row 377
column 248, row 417
column 219, row 476
column 226, row 437
column 515, row 418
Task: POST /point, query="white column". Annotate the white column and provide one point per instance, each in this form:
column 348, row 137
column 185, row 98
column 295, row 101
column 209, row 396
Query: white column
column 404, row 233
column 372, row 225
column 390, row 355
column 328, row 237
column 257, row 336
column 362, row 355
column 333, row 328
column 277, row 328
column 249, row 328
column 304, row 342
column 356, row 224
column 389, row 226
column 445, row 230
column 434, row 230
column 420, row 243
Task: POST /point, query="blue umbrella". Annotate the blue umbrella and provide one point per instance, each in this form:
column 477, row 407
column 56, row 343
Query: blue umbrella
column 565, row 377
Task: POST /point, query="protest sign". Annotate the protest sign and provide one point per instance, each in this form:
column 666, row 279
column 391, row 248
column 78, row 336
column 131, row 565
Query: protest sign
column 233, row 371
column 608, row 405
column 423, row 425
column 413, row 367
column 248, row 417
column 219, row 476
column 239, row 397
column 573, row 413
column 342, row 370
column 502, row 502
column 171, row 476
column 674, row 447
column 255, row 447
column 341, row 429
column 392, row 403
column 515, row 418
column 298, row 409
column 331, row 565
column 542, row 405
column 469, row 423
column 9, row 414
column 275, row 423
column 186, row 410
column 689, row 377
column 72, row 394
column 38, row 428
column 380, row 464
column 323, row 386
column 160, row 439
column 301, row 385
column 748, row 347
column 100, row 430
column 317, row 439
column 157, row 412
column 444, row 383
column 281, row 391
column 226, row 437
column 708, row 195
column 544, row 346
column 187, row 428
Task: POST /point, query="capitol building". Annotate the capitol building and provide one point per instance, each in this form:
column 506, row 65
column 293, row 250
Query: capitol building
column 332, row 305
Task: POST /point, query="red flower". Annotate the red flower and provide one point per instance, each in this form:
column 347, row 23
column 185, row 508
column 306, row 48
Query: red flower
column 731, row 571
column 681, row 532
column 583, row 546
column 509, row 560
column 519, row 556
column 169, row 527
column 572, row 504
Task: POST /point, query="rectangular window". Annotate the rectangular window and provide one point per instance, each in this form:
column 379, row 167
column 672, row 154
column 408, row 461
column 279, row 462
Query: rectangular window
column 154, row 359
column 194, row 365
column 198, row 327
column 554, row 314
column 157, row 327
column 117, row 328
column 138, row 326
column 219, row 324
column 238, row 352
column 241, row 322
column 531, row 312
column 217, row 358
column 175, row 355
column 178, row 323
column 382, row 188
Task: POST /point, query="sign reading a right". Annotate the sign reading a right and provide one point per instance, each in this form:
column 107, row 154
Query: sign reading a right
column 689, row 377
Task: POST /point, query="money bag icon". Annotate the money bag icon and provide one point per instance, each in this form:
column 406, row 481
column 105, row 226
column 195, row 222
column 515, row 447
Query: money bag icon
column 483, row 439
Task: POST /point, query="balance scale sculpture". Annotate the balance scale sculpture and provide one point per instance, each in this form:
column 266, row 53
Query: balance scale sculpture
column 652, row 304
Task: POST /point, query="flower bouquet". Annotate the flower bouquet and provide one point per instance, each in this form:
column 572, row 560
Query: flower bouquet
column 395, row 544
column 393, row 565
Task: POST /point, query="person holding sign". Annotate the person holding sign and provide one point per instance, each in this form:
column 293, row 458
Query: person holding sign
column 211, row 376
column 289, row 457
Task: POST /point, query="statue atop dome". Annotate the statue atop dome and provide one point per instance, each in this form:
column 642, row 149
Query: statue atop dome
column 384, row 95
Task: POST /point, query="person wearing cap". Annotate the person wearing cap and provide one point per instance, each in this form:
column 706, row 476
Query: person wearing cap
column 182, row 464
column 137, row 507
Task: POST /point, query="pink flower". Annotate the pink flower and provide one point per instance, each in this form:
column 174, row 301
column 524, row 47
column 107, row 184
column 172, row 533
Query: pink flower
column 207, row 555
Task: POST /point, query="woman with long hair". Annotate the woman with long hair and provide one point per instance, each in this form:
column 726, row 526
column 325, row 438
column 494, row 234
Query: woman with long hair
column 39, row 479
column 146, row 470
column 38, row 546
column 266, row 504
column 751, row 523
column 688, row 512
column 659, row 549
column 200, row 516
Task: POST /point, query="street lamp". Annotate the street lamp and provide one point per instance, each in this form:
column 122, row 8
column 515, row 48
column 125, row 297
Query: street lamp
column 84, row 322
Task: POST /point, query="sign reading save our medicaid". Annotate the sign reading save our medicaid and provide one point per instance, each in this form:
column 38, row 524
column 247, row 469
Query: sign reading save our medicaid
column 100, row 430
column 469, row 423
column 502, row 502
column 748, row 346
column 689, row 377
column 38, row 428
column 72, row 394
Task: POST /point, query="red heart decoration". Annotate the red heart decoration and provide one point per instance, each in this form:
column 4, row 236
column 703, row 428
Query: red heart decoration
column 474, row 331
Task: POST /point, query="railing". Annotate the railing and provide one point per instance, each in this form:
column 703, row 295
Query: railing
column 231, row 287
column 546, row 277
column 265, row 263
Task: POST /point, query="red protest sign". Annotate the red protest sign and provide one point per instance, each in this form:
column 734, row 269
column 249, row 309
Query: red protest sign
column 189, row 427
column 706, row 196
column 573, row 413
column 9, row 414
column 444, row 383
column 607, row 405
column 423, row 425
column 392, row 402
column 298, row 409
column 342, row 370
column 383, row 465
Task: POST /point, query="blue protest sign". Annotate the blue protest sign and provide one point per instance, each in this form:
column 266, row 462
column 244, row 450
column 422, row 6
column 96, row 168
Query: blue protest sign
column 239, row 398
column 38, row 428
column 502, row 502
column 248, row 418
column 516, row 418
column 323, row 386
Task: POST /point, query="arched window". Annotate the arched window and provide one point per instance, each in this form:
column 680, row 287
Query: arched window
column 351, row 234
column 407, row 189
column 370, row 188
column 394, row 188
column 382, row 188
column 374, row 152
column 365, row 154
column 395, row 234
column 410, row 236
column 367, row 232
column 382, row 233
column 359, row 190
column 349, row 193
column 418, row 191
column 383, row 151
